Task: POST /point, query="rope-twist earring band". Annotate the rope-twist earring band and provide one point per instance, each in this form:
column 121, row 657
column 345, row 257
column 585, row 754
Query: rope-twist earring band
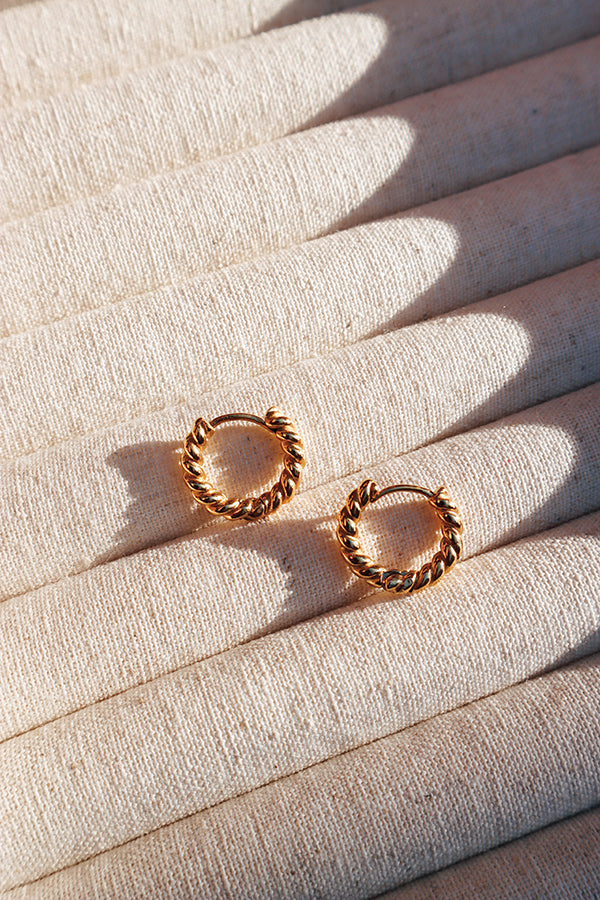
column 393, row 580
column 216, row 501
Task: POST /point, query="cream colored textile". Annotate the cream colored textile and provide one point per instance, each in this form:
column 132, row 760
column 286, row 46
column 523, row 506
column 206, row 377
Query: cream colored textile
column 57, row 44
column 108, row 248
column 560, row 861
column 434, row 258
column 385, row 221
column 130, row 611
column 134, row 628
column 469, row 367
column 109, row 135
column 113, row 37
column 361, row 822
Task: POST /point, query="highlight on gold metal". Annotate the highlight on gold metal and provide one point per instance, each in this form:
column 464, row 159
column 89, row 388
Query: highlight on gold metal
column 394, row 580
column 216, row 501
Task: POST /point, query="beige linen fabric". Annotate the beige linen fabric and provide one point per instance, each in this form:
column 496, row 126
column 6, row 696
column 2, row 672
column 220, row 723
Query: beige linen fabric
column 384, row 220
column 395, row 809
column 468, row 367
column 288, row 701
column 326, row 293
column 123, row 130
column 104, row 249
column 560, row 861
column 41, row 57
column 130, row 613
column 53, row 46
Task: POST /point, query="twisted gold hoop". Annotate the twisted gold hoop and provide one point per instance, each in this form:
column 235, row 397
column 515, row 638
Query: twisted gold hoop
column 217, row 502
column 393, row 580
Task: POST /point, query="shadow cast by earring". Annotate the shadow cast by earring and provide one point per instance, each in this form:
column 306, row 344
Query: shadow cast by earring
column 152, row 472
column 301, row 569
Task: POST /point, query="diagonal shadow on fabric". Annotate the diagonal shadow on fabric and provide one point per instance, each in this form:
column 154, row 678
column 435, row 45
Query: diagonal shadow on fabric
column 295, row 558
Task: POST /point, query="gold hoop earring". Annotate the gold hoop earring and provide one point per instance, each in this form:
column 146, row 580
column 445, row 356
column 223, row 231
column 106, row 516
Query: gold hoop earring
column 393, row 580
column 215, row 501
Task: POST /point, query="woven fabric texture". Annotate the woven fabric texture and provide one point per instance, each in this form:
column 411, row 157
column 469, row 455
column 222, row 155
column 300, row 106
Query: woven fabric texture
column 560, row 861
column 384, row 220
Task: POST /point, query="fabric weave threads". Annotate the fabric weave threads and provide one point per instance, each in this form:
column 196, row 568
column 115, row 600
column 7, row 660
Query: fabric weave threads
column 354, row 825
column 206, row 582
column 300, row 187
column 434, row 258
column 559, row 861
column 515, row 350
column 383, row 220
column 188, row 110
column 53, row 47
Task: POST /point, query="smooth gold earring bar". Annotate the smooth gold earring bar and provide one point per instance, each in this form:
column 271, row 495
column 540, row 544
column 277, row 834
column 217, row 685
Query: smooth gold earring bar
column 393, row 580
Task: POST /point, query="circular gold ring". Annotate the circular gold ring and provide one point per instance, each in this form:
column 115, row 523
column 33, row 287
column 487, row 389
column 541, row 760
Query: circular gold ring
column 394, row 580
column 216, row 501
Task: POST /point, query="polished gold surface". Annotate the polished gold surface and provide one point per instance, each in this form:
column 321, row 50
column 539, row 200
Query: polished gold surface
column 214, row 500
column 394, row 580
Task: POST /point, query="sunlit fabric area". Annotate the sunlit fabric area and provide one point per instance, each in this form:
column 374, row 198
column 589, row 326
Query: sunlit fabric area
column 383, row 220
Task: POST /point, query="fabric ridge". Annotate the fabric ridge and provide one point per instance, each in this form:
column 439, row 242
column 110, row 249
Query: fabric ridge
column 271, row 196
column 365, row 68
column 381, row 218
column 561, row 860
column 482, row 756
column 329, row 293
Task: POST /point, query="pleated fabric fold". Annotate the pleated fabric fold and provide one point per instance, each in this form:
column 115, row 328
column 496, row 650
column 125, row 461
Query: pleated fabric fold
column 562, row 860
column 321, row 295
column 120, row 131
column 104, row 249
column 441, row 377
column 384, row 220
column 367, row 820
column 157, row 610
column 55, row 46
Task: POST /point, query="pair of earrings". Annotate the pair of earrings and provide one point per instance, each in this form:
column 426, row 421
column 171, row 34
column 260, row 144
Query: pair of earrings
column 391, row 580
